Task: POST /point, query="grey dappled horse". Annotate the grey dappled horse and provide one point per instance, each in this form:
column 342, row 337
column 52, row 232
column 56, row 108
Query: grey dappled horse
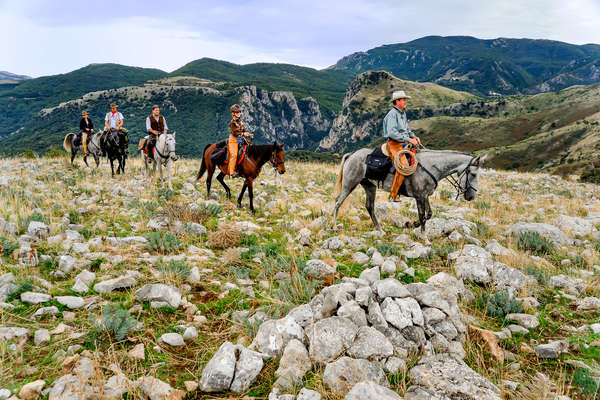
column 93, row 147
column 434, row 165
column 164, row 155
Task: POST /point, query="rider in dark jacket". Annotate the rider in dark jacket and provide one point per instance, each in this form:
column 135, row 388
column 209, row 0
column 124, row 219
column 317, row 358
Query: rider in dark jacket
column 86, row 129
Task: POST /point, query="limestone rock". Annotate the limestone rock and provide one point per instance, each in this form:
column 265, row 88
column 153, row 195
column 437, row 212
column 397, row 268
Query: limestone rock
column 370, row 390
column 159, row 292
column 247, row 367
column 217, row 375
column 526, row 320
column 32, row 390
column 319, row 269
column 330, row 337
column 122, row 282
column 155, row 389
column 370, row 344
column 293, row 365
column 274, row 335
column 340, row 376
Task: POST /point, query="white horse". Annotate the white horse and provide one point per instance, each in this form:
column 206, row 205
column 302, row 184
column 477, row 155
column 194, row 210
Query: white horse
column 164, row 155
column 93, row 147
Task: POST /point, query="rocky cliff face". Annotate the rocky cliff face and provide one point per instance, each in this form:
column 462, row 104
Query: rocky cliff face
column 367, row 101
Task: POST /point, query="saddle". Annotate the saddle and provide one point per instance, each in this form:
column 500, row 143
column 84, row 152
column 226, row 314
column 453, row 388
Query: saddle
column 221, row 157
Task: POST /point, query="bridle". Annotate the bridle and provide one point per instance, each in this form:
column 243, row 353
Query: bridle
column 273, row 159
column 455, row 182
column 163, row 156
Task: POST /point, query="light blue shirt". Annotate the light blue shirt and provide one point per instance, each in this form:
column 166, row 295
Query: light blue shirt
column 395, row 126
column 113, row 119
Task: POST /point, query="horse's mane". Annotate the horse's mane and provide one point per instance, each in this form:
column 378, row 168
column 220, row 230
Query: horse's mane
column 260, row 149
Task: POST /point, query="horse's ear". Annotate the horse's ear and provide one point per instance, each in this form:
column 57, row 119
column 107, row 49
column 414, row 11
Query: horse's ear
column 476, row 161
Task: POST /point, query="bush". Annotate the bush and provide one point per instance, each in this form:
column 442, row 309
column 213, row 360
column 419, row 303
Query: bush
column 184, row 213
column 586, row 382
column 7, row 246
column 227, row 236
column 541, row 276
column 387, row 249
column 446, row 194
column 175, row 269
column 116, row 321
column 481, row 229
column 499, row 304
column 163, row 242
column 534, row 242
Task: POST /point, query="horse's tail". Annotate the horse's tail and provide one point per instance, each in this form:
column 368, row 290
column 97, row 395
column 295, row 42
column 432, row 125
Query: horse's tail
column 68, row 142
column 203, row 164
column 338, row 186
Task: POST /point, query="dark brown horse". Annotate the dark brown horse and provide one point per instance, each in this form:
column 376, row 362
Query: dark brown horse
column 255, row 157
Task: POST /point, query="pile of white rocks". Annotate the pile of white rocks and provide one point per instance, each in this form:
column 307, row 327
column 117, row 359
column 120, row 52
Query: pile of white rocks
column 358, row 330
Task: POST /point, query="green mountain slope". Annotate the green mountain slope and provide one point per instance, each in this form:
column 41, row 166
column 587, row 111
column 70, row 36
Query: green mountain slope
column 506, row 66
column 20, row 103
column 327, row 86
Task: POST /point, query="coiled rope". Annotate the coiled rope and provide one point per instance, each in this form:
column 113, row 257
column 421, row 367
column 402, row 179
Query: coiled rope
column 404, row 169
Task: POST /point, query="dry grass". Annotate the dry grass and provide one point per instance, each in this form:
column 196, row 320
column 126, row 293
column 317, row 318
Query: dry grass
column 227, row 236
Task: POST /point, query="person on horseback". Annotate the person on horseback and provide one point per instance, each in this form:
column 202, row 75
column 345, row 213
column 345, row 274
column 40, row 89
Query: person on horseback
column 86, row 129
column 156, row 124
column 236, row 137
column 113, row 121
column 395, row 129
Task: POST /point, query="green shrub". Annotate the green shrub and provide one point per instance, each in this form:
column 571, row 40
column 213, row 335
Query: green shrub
column 24, row 286
column 541, row 276
column 115, row 320
column 24, row 223
column 387, row 249
column 534, row 242
column 73, row 217
column 163, row 242
column 175, row 269
column 442, row 251
column 586, row 382
column 298, row 290
column 446, row 194
column 499, row 304
column 481, row 205
column 165, row 194
column 8, row 246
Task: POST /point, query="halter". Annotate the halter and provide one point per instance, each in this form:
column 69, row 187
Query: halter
column 455, row 182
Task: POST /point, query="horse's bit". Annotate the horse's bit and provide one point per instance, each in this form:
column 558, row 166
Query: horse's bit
column 455, row 182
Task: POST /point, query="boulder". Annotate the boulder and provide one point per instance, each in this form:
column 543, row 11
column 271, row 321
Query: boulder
column 340, row 376
column 70, row 301
column 319, row 269
column 274, row 335
column 446, row 377
column 330, row 338
column 122, row 282
column 217, row 375
column 390, row 287
column 247, row 367
column 38, row 229
column 294, row 364
column 574, row 225
column 8, row 286
column 552, row 349
column 370, row 344
column 35, row 298
column 370, row 390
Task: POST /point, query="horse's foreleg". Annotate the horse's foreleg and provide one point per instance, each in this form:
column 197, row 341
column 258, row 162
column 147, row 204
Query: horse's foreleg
column 371, row 191
column 168, row 168
column 221, row 181
column 421, row 209
column 73, row 156
column 112, row 168
column 344, row 193
column 241, row 196
column 97, row 160
column 124, row 160
column 251, row 195
column 428, row 212
column 85, row 161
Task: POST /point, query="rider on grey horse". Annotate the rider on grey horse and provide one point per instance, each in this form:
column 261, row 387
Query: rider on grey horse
column 395, row 129
column 156, row 125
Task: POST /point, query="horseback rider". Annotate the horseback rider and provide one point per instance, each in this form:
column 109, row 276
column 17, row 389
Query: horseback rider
column 156, row 125
column 395, row 129
column 113, row 121
column 86, row 129
column 237, row 134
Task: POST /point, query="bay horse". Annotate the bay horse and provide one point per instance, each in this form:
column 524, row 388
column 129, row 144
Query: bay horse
column 256, row 156
column 115, row 146
column 434, row 165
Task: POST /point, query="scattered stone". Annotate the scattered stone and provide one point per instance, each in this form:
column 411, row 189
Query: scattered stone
column 158, row 292
column 122, row 282
column 490, row 342
column 526, row 320
column 41, row 336
column 32, row 390
column 588, row 304
column 218, row 373
column 190, row 333
column 307, row 394
column 552, row 349
column 550, row 232
column 248, row 366
column 116, row 386
column 8, row 285
column 38, row 229
column 390, row 287
column 330, row 337
column 70, row 301
column 35, row 298
column 370, row 344
column 370, row 275
column 156, row 389
column 417, row 250
column 137, row 353
column 274, row 335
column 319, row 269
column 172, row 339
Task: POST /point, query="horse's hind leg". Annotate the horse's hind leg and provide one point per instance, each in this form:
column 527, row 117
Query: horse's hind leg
column 221, row 181
column 97, row 160
column 241, row 196
column 251, row 195
column 112, row 168
column 85, row 161
column 344, row 193
column 371, row 191
column 73, row 156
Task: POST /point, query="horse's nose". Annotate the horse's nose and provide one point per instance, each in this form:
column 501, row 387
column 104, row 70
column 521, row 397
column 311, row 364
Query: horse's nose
column 281, row 172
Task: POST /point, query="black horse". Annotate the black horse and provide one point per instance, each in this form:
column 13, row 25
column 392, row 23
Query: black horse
column 115, row 147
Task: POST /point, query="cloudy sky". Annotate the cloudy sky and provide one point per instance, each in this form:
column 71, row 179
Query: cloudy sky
column 42, row 37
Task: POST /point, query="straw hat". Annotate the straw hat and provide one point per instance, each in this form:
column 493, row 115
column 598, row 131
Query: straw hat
column 399, row 94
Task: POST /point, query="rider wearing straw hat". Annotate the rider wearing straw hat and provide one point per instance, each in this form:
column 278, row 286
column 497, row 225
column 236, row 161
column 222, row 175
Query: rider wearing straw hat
column 395, row 129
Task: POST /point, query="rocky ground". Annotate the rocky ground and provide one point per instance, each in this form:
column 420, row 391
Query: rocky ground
column 115, row 288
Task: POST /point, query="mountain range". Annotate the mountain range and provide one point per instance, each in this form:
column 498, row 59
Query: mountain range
column 454, row 82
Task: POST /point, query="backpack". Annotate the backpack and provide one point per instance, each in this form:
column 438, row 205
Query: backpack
column 378, row 165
